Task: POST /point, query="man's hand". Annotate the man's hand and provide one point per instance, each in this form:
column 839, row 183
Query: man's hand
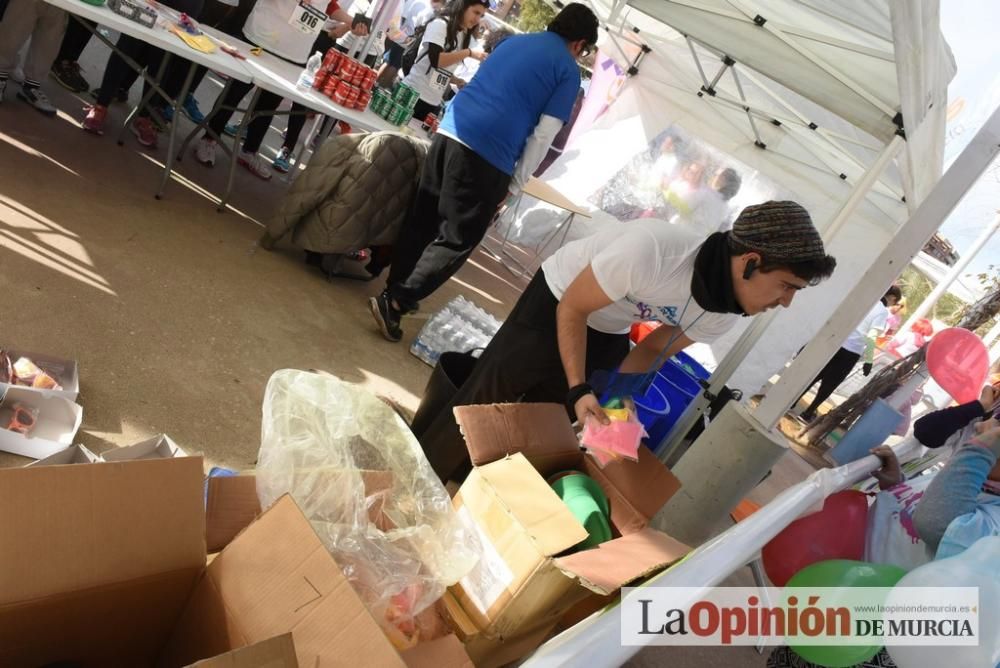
column 478, row 55
column 339, row 30
column 360, row 29
column 889, row 475
column 988, row 397
column 866, row 369
column 588, row 406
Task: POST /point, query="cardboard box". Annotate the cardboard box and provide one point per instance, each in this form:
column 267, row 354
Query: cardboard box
column 158, row 447
column 118, row 576
column 64, row 371
column 74, row 454
column 277, row 652
column 55, row 427
column 524, row 580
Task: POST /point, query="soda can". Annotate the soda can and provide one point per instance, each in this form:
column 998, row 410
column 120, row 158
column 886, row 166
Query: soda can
column 331, row 59
column 331, row 85
column 319, row 79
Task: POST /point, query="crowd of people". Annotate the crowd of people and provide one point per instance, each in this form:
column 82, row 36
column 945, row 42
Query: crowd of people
column 441, row 36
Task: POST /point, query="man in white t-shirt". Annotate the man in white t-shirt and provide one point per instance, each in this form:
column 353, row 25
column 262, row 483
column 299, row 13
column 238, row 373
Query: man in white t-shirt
column 860, row 343
column 573, row 319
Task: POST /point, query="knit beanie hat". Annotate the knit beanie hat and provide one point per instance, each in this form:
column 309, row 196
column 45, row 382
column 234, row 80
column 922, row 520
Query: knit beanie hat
column 779, row 231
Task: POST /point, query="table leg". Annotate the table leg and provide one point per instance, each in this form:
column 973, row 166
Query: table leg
column 153, row 90
column 247, row 117
column 176, row 106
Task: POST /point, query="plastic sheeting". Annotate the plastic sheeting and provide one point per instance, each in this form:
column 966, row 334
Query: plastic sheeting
column 360, row 477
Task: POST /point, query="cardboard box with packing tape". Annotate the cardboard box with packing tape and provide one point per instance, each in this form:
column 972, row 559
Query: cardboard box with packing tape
column 526, row 579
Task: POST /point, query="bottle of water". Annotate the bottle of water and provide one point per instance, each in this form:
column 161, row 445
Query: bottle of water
column 308, row 75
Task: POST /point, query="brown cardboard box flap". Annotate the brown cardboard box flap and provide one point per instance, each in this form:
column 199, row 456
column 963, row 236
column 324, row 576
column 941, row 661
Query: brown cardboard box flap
column 616, row 563
column 446, row 652
column 541, row 432
column 646, row 485
column 233, row 504
column 79, row 527
column 276, row 577
column 276, row 652
column 530, row 500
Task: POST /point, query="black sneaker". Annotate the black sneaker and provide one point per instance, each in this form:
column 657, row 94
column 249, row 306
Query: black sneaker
column 68, row 75
column 386, row 317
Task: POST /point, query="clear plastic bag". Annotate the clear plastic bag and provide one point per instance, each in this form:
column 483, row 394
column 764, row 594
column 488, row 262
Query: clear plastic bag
column 400, row 542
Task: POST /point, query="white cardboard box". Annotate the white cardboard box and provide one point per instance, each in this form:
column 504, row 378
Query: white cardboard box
column 158, row 447
column 74, row 454
column 66, row 373
column 56, row 423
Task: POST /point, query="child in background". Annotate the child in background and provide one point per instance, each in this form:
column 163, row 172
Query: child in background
column 44, row 25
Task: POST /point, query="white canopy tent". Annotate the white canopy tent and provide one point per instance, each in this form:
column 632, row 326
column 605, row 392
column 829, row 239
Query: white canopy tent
column 808, row 96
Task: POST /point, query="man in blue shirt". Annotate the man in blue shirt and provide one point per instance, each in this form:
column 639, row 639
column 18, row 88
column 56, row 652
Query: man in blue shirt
column 495, row 134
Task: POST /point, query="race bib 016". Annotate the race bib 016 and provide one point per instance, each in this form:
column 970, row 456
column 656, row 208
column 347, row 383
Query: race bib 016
column 307, row 19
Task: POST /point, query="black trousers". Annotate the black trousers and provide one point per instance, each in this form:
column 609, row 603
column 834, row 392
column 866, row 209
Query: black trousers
column 74, row 41
column 833, row 374
column 117, row 72
column 422, row 108
column 456, row 200
column 521, row 363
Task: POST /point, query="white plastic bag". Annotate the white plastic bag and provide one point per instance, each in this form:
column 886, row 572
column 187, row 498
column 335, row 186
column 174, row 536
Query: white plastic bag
column 321, row 440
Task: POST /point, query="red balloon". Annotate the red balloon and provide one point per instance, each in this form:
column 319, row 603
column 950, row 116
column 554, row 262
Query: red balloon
column 836, row 532
column 959, row 362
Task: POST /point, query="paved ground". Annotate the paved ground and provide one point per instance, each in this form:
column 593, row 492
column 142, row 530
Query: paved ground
column 178, row 318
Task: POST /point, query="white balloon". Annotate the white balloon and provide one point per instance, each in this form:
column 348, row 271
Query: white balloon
column 978, row 566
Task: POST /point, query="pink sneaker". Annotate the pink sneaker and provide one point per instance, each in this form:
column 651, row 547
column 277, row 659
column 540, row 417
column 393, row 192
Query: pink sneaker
column 94, row 121
column 145, row 132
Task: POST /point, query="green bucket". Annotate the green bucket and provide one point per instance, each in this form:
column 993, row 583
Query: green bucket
column 588, row 503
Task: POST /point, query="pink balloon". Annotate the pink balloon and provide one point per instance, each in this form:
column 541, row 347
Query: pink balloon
column 959, row 362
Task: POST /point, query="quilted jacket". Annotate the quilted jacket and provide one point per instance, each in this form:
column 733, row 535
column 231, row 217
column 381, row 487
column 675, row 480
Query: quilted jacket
column 354, row 194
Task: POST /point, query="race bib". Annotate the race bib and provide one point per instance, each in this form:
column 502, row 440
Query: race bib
column 438, row 80
column 307, row 19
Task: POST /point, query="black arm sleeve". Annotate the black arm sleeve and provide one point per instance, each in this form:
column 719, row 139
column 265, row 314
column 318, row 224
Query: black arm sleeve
column 433, row 53
column 934, row 428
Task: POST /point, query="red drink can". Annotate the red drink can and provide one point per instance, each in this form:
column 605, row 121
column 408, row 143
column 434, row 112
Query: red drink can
column 331, row 85
column 330, row 60
column 319, row 79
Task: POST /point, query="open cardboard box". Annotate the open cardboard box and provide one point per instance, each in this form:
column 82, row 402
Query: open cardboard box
column 525, row 579
column 157, row 447
column 63, row 371
column 56, row 423
column 118, row 577
column 74, row 454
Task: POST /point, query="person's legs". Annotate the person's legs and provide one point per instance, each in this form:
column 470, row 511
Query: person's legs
column 15, row 29
column 471, row 191
column 248, row 157
column 422, row 222
column 66, row 68
column 832, row 375
column 204, row 151
column 50, row 24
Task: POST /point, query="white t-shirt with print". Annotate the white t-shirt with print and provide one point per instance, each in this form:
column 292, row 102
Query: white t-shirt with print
column 268, row 27
column 876, row 319
column 431, row 85
column 646, row 267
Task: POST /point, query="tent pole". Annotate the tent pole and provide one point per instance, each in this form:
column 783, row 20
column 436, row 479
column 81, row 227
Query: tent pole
column 909, row 239
column 597, row 640
column 731, row 362
column 956, row 271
